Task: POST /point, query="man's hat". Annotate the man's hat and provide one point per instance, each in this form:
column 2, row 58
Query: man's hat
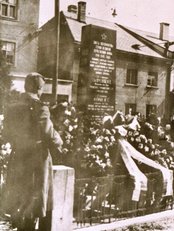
column 33, row 82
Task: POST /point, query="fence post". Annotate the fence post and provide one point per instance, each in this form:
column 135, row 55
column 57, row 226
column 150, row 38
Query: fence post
column 63, row 198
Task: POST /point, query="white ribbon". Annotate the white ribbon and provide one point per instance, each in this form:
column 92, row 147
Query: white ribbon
column 167, row 173
column 140, row 179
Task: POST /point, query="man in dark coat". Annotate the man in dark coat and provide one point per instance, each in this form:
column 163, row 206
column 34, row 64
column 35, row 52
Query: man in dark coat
column 30, row 131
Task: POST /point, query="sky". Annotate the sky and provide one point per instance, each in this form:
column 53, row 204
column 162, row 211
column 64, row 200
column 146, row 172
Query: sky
column 139, row 14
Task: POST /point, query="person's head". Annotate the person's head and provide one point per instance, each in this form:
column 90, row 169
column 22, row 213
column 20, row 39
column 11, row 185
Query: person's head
column 34, row 83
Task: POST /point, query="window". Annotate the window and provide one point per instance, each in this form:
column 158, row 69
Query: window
column 152, row 79
column 8, row 8
column 131, row 77
column 130, row 108
column 8, row 49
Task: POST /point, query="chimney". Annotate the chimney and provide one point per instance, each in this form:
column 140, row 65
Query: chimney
column 81, row 14
column 72, row 8
column 164, row 31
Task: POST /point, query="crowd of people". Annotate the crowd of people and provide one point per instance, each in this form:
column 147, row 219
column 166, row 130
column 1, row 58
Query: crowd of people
column 34, row 137
column 92, row 150
column 89, row 146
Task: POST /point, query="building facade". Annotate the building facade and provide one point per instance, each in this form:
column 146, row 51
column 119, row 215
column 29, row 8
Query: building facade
column 47, row 58
column 142, row 73
column 141, row 84
column 143, row 63
column 18, row 35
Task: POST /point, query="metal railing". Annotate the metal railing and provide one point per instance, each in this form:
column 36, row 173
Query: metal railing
column 105, row 199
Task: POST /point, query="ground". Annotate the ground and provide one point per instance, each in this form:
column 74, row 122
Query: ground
column 163, row 221
column 156, row 222
column 164, row 224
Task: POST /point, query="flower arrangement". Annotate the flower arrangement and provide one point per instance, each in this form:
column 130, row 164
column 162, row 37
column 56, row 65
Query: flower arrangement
column 163, row 154
column 5, row 152
column 91, row 149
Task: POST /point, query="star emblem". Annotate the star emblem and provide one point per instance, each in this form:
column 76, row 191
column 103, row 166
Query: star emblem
column 103, row 36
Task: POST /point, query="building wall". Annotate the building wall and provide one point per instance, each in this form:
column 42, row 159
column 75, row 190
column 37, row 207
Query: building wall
column 47, row 49
column 22, row 31
column 69, row 57
column 140, row 94
column 47, row 57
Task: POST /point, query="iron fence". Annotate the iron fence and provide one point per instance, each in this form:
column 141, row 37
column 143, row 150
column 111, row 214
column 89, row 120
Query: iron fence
column 105, row 199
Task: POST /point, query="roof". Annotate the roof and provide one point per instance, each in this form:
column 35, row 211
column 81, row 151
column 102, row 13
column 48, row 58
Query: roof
column 153, row 37
column 124, row 40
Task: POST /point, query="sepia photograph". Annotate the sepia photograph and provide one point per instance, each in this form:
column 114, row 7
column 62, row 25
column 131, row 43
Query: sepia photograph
column 86, row 115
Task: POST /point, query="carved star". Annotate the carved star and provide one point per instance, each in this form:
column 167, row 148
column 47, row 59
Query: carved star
column 103, row 36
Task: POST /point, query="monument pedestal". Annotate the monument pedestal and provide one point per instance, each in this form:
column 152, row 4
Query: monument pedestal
column 63, row 196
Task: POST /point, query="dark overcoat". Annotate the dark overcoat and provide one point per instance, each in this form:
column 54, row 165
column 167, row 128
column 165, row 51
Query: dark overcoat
column 29, row 129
